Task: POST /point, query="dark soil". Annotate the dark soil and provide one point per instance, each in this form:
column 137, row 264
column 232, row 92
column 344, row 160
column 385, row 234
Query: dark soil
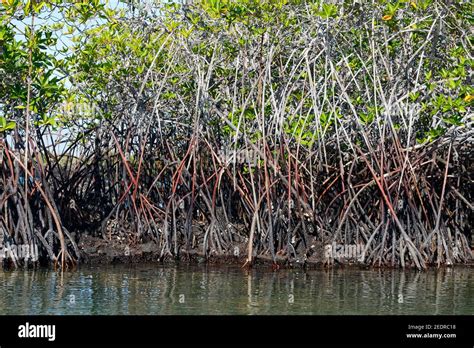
column 95, row 251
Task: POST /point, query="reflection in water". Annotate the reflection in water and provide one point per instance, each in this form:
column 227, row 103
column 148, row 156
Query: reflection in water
column 154, row 289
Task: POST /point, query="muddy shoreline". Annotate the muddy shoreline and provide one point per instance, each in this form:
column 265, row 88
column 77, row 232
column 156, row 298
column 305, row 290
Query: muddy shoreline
column 98, row 251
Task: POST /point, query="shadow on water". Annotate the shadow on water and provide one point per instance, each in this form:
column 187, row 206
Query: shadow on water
column 152, row 289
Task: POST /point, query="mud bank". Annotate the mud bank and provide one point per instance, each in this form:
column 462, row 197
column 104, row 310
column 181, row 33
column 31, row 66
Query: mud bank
column 98, row 251
column 94, row 250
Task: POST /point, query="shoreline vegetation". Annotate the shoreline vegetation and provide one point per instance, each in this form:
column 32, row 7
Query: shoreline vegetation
column 256, row 131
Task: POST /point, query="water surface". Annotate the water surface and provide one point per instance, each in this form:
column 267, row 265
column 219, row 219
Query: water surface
column 156, row 289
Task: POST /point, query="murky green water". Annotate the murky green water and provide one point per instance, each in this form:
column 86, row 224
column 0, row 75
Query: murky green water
column 153, row 289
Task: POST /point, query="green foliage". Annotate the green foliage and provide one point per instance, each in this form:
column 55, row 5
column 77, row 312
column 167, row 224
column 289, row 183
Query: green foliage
column 325, row 10
column 6, row 125
column 115, row 62
column 31, row 53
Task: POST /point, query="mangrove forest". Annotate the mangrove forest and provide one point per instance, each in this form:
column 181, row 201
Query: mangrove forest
column 246, row 131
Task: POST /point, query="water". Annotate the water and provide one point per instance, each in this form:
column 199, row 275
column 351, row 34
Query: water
column 154, row 289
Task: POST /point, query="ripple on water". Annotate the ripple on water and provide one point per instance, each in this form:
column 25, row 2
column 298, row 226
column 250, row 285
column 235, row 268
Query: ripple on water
column 154, row 289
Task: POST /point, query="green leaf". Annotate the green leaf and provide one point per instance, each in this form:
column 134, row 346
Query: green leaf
column 6, row 125
column 27, row 8
column 10, row 125
column 455, row 120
